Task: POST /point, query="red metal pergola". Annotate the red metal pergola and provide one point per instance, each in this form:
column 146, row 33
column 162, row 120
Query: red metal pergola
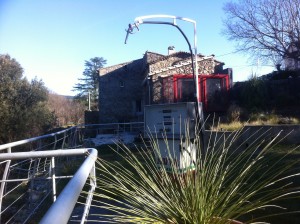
column 213, row 90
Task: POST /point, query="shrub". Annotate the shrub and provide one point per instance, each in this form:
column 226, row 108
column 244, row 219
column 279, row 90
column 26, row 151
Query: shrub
column 227, row 184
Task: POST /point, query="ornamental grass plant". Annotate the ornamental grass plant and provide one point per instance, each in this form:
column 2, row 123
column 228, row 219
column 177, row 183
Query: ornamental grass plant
column 230, row 182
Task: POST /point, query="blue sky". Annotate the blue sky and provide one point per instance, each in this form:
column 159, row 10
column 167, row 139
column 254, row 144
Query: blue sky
column 51, row 39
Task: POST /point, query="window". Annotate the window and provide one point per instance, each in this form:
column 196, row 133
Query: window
column 186, row 90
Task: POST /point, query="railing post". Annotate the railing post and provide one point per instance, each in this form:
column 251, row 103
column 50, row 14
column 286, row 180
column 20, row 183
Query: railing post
column 61, row 210
column 31, row 178
column 64, row 141
column 4, row 177
column 38, row 165
column 52, row 171
column 45, row 164
column 53, row 178
column 55, row 142
column 89, row 198
column 73, row 138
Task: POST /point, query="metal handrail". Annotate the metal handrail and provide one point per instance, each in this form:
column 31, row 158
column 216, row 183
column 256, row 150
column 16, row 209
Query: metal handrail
column 107, row 124
column 62, row 208
column 9, row 147
column 31, row 168
column 21, row 142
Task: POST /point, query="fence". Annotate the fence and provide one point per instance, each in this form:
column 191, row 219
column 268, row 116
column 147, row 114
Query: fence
column 62, row 207
column 32, row 169
column 113, row 128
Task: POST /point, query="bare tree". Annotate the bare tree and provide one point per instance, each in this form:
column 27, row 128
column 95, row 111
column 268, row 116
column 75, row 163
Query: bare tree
column 265, row 28
column 67, row 111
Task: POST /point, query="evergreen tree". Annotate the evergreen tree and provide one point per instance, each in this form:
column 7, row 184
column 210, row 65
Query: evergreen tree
column 23, row 110
column 89, row 83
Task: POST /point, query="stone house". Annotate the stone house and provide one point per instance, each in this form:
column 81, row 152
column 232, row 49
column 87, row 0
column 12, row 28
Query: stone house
column 125, row 88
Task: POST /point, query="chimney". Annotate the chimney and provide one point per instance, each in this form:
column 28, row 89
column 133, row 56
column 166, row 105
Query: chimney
column 171, row 50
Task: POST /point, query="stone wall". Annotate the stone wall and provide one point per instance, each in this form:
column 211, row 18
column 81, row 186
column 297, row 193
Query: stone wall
column 120, row 89
column 123, row 88
column 104, row 71
column 168, row 61
column 178, row 63
column 151, row 57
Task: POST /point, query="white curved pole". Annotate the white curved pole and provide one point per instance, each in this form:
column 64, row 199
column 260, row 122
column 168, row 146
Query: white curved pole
column 141, row 19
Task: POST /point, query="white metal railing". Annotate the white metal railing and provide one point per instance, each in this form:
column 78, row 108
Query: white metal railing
column 115, row 128
column 19, row 178
column 63, row 206
column 33, row 168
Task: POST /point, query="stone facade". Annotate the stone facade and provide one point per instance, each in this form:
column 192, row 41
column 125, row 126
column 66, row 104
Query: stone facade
column 121, row 92
column 174, row 64
column 180, row 63
column 125, row 88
